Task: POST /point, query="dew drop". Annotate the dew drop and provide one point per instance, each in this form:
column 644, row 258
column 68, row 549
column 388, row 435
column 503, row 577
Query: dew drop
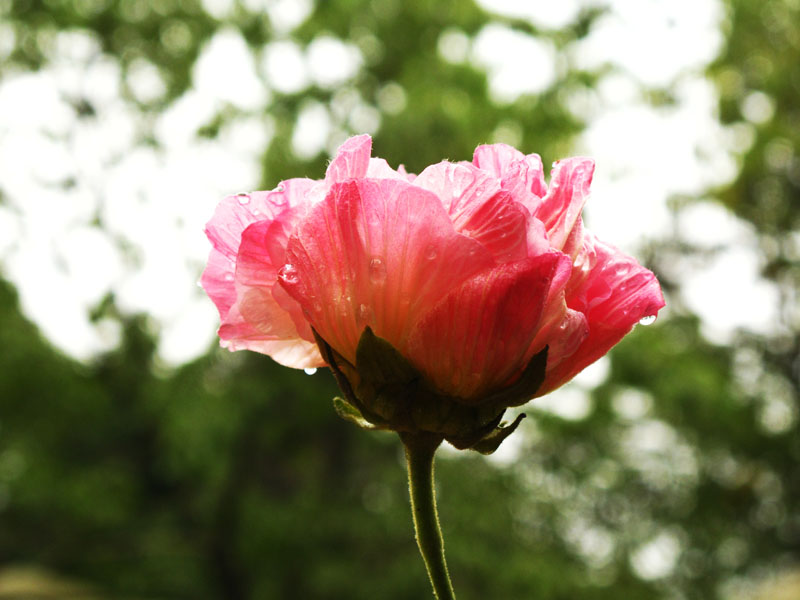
column 288, row 274
column 310, row 371
column 377, row 270
column 317, row 306
column 280, row 189
column 228, row 277
column 430, row 252
column 648, row 320
column 243, row 198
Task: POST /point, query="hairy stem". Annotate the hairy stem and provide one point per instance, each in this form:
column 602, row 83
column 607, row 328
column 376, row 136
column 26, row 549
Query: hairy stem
column 420, row 448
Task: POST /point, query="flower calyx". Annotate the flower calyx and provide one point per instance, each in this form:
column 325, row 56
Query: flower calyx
column 383, row 390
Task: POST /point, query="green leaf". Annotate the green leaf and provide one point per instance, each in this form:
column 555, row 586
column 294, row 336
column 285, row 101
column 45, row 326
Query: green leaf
column 492, row 441
column 348, row 412
column 526, row 386
column 379, row 363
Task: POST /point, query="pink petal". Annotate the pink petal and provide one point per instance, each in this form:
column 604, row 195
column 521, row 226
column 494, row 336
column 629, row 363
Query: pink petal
column 479, row 335
column 375, row 252
column 263, row 318
column 235, row 213
column 231, row 217
column 496, row 158
column 479, row 209
column 410, row 177
column 379, row 169
column 217, row 281
column 351, row 160
column 561, row 207
column 461, row 188
column 522, row 176
column 614, row 296
column 249, row 315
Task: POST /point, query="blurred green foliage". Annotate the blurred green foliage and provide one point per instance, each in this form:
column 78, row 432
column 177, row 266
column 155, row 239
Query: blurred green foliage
column 231, row 477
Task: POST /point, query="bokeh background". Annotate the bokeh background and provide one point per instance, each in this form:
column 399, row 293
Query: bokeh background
column 139, row 460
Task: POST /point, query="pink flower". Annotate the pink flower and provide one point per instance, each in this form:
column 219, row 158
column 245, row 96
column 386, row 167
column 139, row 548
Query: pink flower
column 468, row 270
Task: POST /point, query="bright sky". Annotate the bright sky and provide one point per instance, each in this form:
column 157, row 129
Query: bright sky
column 155, row 201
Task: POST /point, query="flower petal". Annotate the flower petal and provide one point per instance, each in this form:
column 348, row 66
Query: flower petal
column 479, row 336
column 521, row 175
column 231, row 217
column 479, row 208
column 263, row 318
column 496, row 158
column 379, row 169
column 614, row 296
column 351, row 160
column 561, row 207
column 375, row 252
column 235, row 213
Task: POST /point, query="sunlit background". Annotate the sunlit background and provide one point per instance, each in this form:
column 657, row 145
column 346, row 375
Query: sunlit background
column 668, row 470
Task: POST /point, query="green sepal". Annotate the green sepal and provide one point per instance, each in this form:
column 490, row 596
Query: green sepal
column 525, row 387
column 383, row 390
column 348, row 412
column 492, row 441
column 380, row 363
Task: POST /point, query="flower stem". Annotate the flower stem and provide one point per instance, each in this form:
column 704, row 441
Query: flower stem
column 420, row 449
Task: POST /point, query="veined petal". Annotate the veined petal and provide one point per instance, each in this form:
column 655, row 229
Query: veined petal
column 479, row 335
column 614, row 296
column 256, row 320
column 461, row 187
column 295, row 353
column 351, row 160
column 235, row 213
column 561, row 207
column 495, row 158
column 217, row 281
column 375, row 252
column 379, row 169
column 479, row 208
column 520, row 175
column 232, row 216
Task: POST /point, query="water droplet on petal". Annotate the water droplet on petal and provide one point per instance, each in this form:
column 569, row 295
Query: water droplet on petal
column 310, row 371
column 280, row 189
column 648, row 320
column 317, row 306
column 288, row 274
column 430, row 252
column 377, row 270
column 243, row 198
column 228, row 277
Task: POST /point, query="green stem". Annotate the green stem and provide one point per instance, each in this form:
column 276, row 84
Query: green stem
column 420, row 449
